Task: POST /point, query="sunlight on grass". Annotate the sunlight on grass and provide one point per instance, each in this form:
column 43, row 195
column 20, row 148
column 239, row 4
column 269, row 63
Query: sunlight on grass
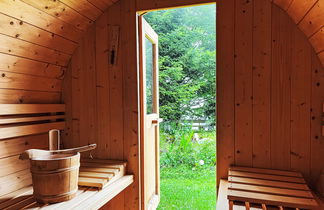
column 183, row 188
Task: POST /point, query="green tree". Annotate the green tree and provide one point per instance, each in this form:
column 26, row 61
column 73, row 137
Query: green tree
column 187, row 62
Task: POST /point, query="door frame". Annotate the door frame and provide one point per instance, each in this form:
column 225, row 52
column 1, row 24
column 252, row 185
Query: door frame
column 141, row 9
column 145, row 31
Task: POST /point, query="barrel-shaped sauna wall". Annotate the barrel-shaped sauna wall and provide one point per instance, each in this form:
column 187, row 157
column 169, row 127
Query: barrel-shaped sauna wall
column 270, row 80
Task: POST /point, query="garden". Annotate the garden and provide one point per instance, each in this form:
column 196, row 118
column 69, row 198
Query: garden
column 187, row 89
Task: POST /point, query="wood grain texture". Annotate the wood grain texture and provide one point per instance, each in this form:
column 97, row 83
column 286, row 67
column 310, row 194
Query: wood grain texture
column 300, row 103
column 20, row 65
column 285, row 124
column 25, row 49
column 313, row 20
column 280, row 90
column 299, row 8
column 316, row 137
column 26, row 82
column 317, row 40
column 225, row 87
column 243, row 82
column 261, row 83
column 31, row 15
column 16, row 28
column 62, row 12
column 30, row 97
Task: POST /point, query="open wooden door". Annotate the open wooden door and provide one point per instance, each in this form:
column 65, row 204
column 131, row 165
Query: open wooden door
column 149, row 93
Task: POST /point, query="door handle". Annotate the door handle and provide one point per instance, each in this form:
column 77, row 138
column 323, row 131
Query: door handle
column 157, row 121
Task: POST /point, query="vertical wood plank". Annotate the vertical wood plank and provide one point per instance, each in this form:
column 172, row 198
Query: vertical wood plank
column 88, row 89
column 129, row 51
column 280, row 89
column 243, row 82
column 102, row 87
column 76, row 97
column 300, row 102
column 317, row 99
column 66, row 135
column 261, row 83
column 225, row 87
column 116, row 87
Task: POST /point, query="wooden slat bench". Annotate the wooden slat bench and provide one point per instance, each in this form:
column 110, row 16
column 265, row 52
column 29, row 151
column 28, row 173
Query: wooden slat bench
column 22, row 127
column 26, row 126
column 254, row 188
column 223, row 202
column 87, row 197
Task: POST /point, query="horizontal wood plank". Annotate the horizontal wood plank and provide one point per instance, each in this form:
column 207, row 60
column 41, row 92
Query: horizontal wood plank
column 12, row 164
column 25, row 49
column 313, row 20
column 95, row 175
column 29, row 14
column 25, row 130
column 14, row 64
column 106, row 194
column 15, row 197
column 298, row 9
column 266, row 171
column 92, row 182
column 99, row 170
column 84, row 7
column 14, row 109
column 101, row 4
column 15, row 181
column 101, row 165
column 267, row 176
column 317, row 40
column 61, row 11
column 8, row 96
column 29, row 119
column 271, row 199
column 270, row 190
column 12, row 147
column 87, row 198
column 16, row 81
column 16, row 28
column 267, row 183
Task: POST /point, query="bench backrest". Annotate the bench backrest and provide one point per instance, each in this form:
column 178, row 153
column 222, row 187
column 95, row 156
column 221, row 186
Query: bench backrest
column 22, row 127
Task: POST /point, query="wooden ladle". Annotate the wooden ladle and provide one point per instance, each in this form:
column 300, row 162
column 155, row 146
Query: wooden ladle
column 38, row 153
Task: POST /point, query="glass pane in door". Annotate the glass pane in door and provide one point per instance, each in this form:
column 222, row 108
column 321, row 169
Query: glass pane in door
column 149, row 76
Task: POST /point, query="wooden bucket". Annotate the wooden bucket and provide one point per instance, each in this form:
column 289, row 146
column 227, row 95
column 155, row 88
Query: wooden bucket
column 55, row 177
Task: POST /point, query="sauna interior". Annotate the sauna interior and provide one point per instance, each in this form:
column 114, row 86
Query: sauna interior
column 55, row 65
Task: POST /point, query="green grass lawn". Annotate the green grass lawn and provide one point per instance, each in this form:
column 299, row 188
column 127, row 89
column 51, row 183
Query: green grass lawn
column 185, row 188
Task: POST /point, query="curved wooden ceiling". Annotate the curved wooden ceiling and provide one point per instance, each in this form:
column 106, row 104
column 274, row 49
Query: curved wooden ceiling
column 309, row 16
column 43, row 34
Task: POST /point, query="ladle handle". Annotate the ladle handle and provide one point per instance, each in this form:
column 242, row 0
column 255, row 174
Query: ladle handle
column 77, row 149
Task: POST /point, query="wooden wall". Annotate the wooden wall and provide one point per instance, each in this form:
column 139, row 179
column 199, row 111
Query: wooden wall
column 269, row 90
column 101, row 98
column 37, row 40
column 270, row 80
column 270, row 86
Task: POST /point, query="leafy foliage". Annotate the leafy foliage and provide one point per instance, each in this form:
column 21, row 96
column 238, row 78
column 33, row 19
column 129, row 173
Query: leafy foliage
column 186, row 62
column 179, row 149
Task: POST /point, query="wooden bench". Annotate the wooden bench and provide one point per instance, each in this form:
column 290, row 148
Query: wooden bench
column 87, row 197
column 256, row 188
column 26, row 126
column 22, row 127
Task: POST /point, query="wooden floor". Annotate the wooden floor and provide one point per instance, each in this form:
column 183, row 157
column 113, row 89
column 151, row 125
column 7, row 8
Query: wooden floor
column 223, row 202
column 87, row 197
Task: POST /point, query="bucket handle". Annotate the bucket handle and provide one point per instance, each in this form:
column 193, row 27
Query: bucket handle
column 34, row 153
